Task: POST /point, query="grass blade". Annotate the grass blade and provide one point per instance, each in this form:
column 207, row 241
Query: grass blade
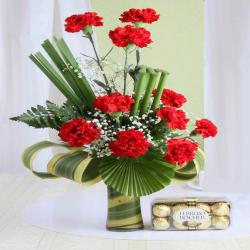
column 48, row 70
column 69, row 58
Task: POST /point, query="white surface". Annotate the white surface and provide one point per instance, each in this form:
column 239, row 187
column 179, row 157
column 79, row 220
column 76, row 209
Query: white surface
column 83, row 214
column 227, row 94
column 17, row 234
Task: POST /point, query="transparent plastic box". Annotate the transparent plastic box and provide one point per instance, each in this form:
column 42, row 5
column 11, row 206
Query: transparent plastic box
column 189, row 213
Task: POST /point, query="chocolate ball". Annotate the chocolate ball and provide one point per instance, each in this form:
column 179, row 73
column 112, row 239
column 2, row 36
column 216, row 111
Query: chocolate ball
column 205, row 225
column 220, row 222
column 161, row 223
column 204, row 207
column 220, row 209
column 179, row 207
column 161, row 210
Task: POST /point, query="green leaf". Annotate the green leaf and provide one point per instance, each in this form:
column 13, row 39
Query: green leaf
column 91, row 172
column 201, row 158
column 135, row 177
column 30, row 154
column 75, row 165
column 68, row 75
column 82, row 83
column 51, row 116
column 56, row 79
column 62, row 72
column 101, row 84
column 188, row 172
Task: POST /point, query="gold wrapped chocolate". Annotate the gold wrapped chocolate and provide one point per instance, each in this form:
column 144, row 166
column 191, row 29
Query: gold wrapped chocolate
column 179, row 207
column 220, row 222
column 220, row 209
column 205, row 225
column 161, row 223
column 161, row 210
column 204, row 206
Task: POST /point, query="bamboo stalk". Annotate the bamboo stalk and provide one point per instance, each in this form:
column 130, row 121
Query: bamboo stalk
column 160, row 88
column 139, row 88
column 149, row 89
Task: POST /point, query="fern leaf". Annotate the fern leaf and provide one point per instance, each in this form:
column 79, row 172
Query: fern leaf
column 51, row 116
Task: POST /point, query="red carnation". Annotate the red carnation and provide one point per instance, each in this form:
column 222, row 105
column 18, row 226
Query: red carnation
column 175, row 119
column 76, row 23
column 92, row 19
column 180, row 151
column 123, row 36
column 206, row 128
column 139, row 15
column 172, row 98
column 79, row 132
column 114, row 102
column 129, row 143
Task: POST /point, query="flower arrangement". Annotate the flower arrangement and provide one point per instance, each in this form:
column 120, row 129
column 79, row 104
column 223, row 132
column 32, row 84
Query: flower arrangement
column 135, row 138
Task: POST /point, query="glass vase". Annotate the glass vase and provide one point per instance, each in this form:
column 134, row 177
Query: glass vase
column 124, row 212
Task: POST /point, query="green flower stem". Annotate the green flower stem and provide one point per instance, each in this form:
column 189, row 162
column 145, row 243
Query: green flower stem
column 125, row 72
column 148, row 94
column 138, row 56
column 161, row 86
column 98, row 60
column 139, row 89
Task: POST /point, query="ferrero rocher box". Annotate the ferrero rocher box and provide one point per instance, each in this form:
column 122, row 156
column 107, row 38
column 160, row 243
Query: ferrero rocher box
column 191, row 213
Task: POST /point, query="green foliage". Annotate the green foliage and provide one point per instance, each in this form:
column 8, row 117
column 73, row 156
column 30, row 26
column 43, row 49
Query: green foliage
column 75, row 165
column 30, row 153
column 188, row 172
column 146, row 79
column 136, row 177
column 51, row 116
column 64, row 72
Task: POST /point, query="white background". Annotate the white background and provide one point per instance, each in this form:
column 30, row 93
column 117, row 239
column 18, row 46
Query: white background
column 227, row 49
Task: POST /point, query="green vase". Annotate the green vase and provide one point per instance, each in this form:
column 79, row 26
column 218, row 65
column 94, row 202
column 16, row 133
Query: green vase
column 124, row 212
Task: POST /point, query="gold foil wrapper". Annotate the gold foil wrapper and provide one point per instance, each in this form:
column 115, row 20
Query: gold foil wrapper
column 204, row 206
column 220, row 209
column 205, row 225
column 161, row 210
column 221, row 222
column 161, row 223
column 179, row 207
